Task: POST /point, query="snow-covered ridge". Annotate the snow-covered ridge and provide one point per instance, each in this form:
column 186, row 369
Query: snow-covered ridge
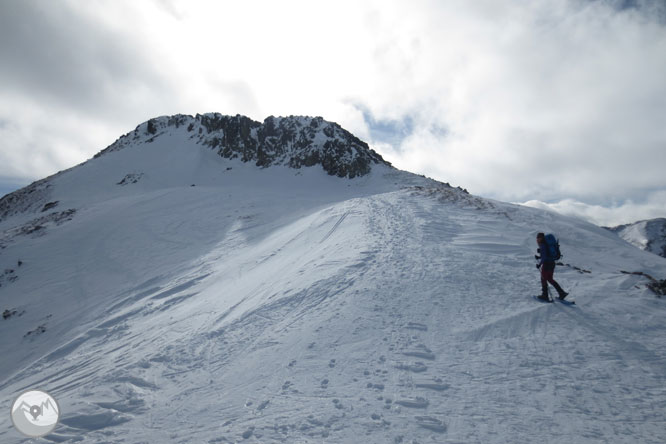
column 28, row 198
column 278, row 306
column 174, row 289
column 648, row 235
column 293, row 141
column 164, row 145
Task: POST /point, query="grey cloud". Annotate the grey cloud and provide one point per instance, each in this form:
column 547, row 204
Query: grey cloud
column 564, row 101
column 651, row 9
column 52, row 53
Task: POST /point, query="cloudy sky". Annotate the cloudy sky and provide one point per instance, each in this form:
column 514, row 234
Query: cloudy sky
column 557, row 102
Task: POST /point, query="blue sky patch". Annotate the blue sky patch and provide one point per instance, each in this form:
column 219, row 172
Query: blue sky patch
column 390, row 131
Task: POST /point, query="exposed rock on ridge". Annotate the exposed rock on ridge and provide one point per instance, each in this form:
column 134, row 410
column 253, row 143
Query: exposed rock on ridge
column 290, row 141
column 29, row 198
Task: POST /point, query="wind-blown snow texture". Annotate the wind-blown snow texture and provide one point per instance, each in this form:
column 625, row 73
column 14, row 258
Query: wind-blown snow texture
column 166, row 293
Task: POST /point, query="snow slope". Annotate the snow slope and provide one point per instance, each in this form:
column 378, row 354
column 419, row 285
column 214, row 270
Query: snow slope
column 648, row 235
column 271, row 304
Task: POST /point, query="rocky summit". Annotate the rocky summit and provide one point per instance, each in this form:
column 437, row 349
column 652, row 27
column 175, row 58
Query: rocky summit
column 291, row 141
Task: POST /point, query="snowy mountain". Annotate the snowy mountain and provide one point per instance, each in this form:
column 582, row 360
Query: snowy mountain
column 648, row 235
column 212, row 279
column 292, row 141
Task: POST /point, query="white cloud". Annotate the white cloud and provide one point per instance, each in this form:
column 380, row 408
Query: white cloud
column 617, row 214
column 514, row 100
column 553, row 99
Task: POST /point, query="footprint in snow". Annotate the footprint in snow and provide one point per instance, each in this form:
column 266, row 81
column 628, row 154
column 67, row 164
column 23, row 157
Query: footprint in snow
column 417, row 326
column 432, row 386
column 416, row 367
column 421, row 351
column 375, row 386
column 430, row 423
column 416, row 403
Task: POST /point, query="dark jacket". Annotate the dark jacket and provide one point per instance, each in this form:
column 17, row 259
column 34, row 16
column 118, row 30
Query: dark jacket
column 544, row 251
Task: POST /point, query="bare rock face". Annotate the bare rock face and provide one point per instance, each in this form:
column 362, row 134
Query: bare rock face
column 290, row 141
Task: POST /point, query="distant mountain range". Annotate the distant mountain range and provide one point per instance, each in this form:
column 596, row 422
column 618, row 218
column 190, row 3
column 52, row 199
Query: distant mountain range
column 648, row 235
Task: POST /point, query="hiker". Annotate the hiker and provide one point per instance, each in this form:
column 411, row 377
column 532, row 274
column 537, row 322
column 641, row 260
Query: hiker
column 547, row 266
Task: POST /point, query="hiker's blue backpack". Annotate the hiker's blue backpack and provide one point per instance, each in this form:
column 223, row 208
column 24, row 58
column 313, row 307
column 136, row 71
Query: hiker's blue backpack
column 553, row 247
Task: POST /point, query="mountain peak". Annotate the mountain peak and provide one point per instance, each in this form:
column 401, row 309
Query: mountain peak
column 293, row 141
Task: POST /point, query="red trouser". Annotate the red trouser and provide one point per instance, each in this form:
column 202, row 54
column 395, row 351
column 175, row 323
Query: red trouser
column 547, row 270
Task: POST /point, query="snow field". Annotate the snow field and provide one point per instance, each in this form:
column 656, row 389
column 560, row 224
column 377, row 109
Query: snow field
column 278, row 306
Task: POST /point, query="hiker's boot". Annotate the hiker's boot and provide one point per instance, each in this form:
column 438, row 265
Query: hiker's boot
column 562, row 294
column 544, row 292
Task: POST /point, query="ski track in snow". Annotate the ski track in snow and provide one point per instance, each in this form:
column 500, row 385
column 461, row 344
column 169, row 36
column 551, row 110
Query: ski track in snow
column 397, row 317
